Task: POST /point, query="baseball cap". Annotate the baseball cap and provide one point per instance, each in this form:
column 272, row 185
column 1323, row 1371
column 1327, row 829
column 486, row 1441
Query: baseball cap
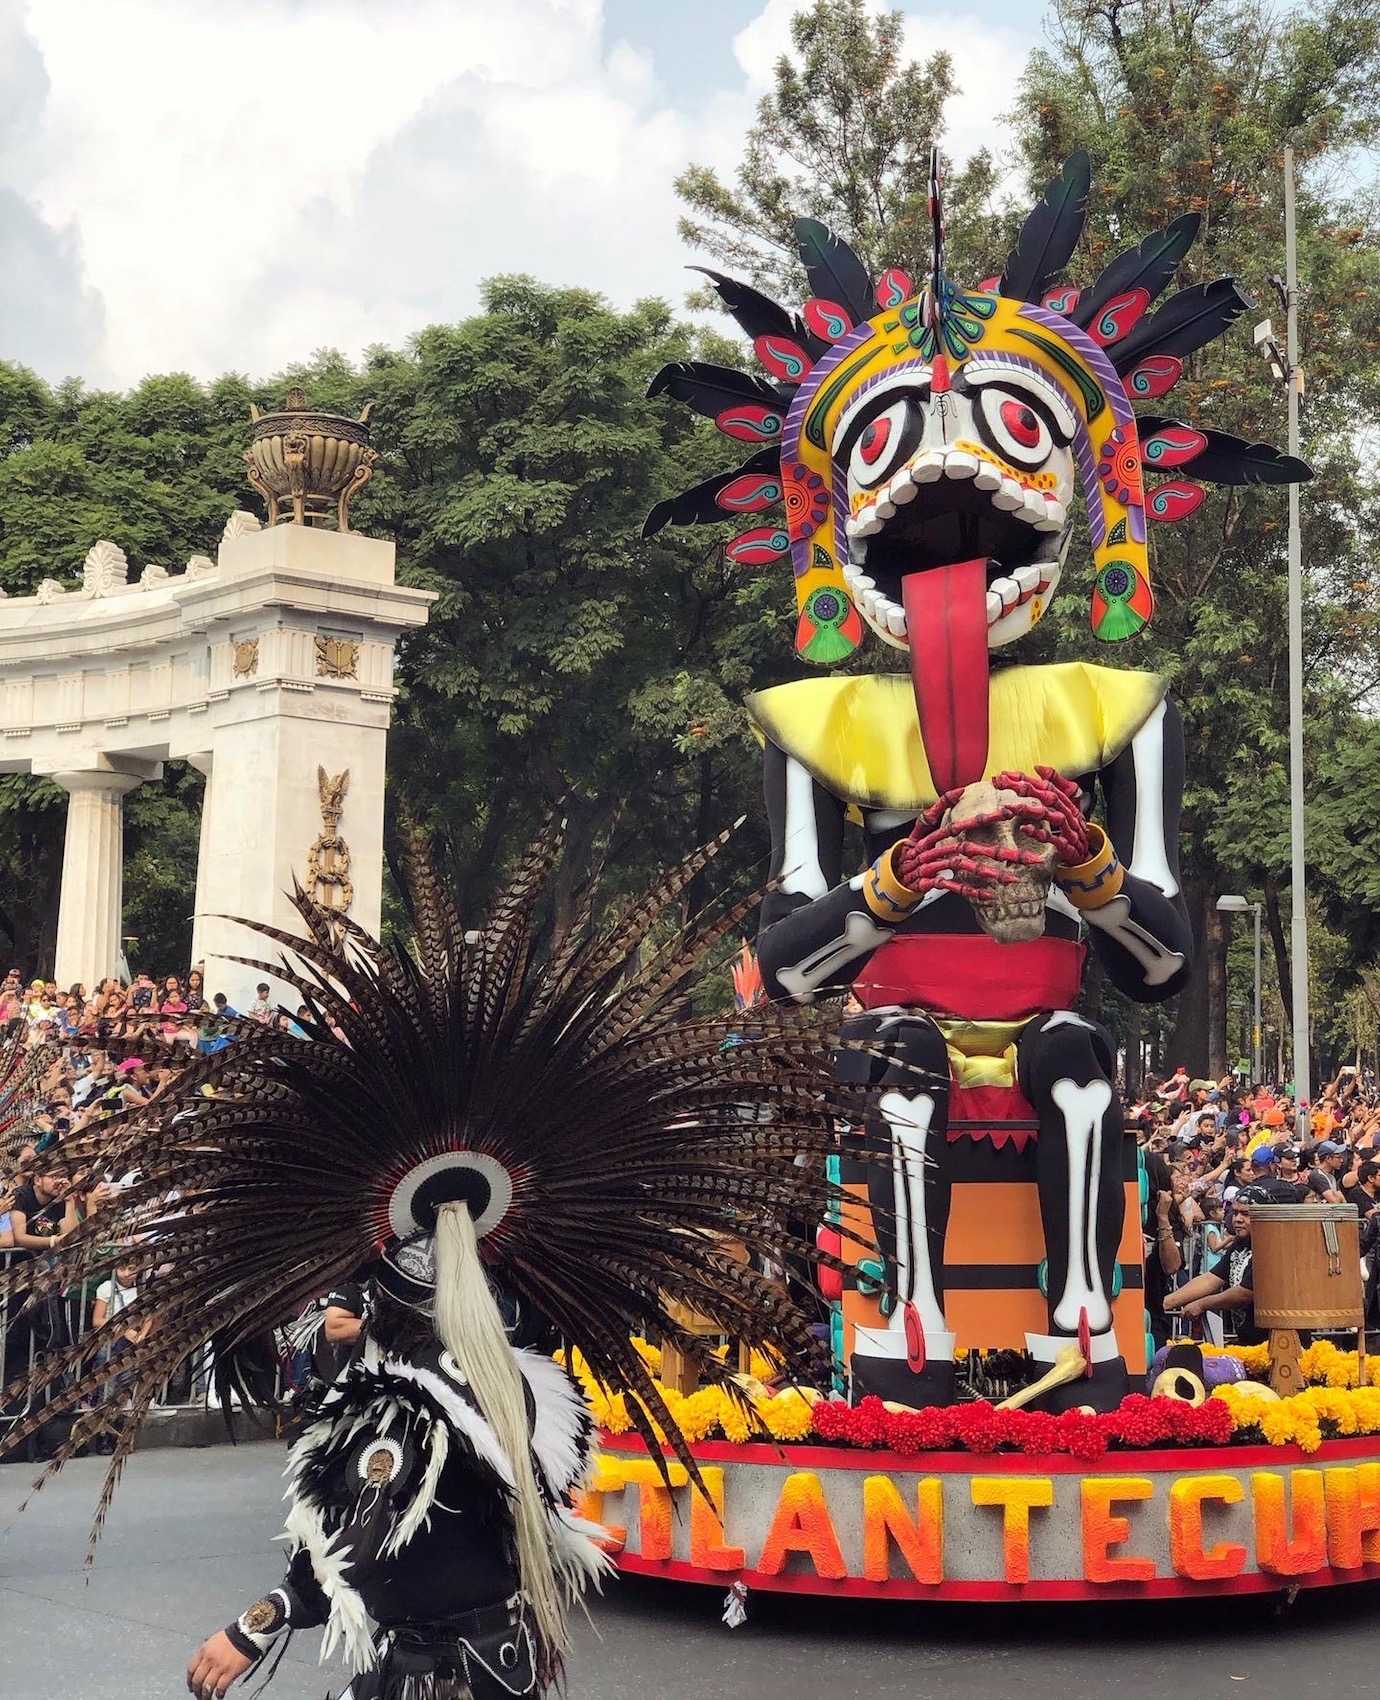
column 1330, row 1148
column 1263, row 1156
column 128, row 1066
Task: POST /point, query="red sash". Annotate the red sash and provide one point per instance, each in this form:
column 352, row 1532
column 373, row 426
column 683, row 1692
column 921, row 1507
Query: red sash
column 972, row 976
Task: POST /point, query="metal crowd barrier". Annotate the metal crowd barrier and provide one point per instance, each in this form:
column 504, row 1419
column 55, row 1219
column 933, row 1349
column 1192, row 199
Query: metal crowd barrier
column 27, row 1331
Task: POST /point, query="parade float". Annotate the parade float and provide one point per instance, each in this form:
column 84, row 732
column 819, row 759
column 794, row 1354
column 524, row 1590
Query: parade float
column 918, row 449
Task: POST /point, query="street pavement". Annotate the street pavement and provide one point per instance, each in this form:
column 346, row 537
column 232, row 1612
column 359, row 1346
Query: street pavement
column 189, row 1544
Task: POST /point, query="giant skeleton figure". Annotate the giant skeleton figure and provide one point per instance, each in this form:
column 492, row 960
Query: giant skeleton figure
column 927, row 464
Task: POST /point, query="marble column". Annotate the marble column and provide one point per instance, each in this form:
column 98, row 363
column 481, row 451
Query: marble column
column 90, row 908
column 204, row 762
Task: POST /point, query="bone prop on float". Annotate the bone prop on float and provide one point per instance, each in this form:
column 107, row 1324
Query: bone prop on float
column 946, row 622
column 1068, row 1366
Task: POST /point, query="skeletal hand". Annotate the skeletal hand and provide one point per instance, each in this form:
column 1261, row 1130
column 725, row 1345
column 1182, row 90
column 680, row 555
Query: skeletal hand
column 942, row 855
column 1053, row 814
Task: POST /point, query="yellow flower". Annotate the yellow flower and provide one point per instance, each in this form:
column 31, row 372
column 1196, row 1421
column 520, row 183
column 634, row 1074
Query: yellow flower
column 787, row 1416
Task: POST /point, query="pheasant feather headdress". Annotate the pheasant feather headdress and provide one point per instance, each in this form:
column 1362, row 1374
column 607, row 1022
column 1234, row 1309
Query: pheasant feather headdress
column 612, row 1150
column 905, row 425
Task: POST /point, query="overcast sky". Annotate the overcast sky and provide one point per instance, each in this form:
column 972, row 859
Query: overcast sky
column 207, row 185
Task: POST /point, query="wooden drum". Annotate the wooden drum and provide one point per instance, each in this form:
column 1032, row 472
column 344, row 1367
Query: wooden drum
column 1306, row 1266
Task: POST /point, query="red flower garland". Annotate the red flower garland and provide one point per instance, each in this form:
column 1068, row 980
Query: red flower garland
column 980, row 1427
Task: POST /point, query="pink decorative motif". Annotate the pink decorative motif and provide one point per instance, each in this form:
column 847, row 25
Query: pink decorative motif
column 783, row 358
column 1119, row 316
column 1172, row 446
column 893, row 287
column 988, row 286
column 1175, row 501
column 759, row 547
column 1061, row 300
column 827, row 319
column 751, row 422
column 807, row 500
column 1156, row 375
column 750, row 493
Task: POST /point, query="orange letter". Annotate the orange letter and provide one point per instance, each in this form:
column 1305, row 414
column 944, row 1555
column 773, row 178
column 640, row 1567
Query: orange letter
column 607, row 1478
column 1186, row 1552
column 1015, row 1495
column 1353, row 1516
column 1102, row 1531
column 707, row 1547
column 802, row 1523
column 653, row 1502
column 1276, row 1549
column 885, row 1519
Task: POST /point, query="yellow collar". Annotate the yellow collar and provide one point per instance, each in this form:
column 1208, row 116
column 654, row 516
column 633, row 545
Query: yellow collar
column 860, row 737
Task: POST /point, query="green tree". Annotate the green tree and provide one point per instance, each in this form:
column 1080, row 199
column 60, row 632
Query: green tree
column 568, row 664
column 1187, row 108
column 842, row 136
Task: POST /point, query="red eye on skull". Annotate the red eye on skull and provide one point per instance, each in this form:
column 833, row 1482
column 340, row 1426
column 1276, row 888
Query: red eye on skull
column 874, row 440
column 1022, row 422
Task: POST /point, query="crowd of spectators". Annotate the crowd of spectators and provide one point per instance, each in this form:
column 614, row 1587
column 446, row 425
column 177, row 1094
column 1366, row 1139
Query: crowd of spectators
column 99, row 1052
column 1212, row 1151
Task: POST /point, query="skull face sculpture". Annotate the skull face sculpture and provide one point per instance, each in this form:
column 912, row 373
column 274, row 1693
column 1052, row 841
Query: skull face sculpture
column 985, row 468
column 1012, row 913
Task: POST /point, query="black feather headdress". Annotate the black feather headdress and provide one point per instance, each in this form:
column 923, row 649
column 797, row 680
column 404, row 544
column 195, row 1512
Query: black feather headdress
column 613, row 1149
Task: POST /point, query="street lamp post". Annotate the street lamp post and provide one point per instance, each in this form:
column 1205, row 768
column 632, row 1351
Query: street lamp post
column 1284, row 364
column 1233, row 905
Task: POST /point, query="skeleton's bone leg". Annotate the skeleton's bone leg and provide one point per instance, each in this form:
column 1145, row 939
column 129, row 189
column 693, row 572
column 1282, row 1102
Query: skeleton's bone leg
column 1083, row 1109
column 910, row 1195
column 1066, row 1071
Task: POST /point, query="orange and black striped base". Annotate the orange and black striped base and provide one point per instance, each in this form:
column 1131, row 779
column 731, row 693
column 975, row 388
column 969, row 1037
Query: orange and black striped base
column 993, row 1250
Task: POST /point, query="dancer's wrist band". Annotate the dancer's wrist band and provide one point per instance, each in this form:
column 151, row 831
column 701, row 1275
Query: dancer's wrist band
column 242, row 1642
column 1094, row 882
column 884, row 892
column 255, row 1630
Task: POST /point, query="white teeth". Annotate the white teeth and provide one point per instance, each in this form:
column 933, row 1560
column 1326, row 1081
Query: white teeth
column 863, row 582
column 994, row 609
column 987, row 477
column 858, row 549
column 1052, row 519
column 960, row 465
column 1008, row 496
column 885, row 509
column 1008, row 590
column 929, row 467
column 865, row 525
column 1049, row 571
column 896, row 621
column 1028, row 578
column 903, row 488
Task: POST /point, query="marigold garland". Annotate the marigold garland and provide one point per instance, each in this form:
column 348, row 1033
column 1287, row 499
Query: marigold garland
column 1334, row 1406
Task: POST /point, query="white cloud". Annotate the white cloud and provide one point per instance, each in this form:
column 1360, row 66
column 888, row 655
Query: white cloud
column 250, row 179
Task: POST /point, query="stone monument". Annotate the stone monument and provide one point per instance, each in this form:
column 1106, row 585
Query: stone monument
column 270, row 669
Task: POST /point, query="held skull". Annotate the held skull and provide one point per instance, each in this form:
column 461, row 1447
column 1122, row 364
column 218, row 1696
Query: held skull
column 1012, row 913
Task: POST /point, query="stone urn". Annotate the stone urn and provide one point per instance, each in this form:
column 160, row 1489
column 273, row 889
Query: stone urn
column 307, row 464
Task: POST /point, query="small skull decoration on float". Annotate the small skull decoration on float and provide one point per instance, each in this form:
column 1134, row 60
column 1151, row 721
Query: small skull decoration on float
column 928, row 444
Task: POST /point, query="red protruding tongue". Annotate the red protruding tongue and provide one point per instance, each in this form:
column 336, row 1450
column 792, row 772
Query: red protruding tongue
column 946, row 622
